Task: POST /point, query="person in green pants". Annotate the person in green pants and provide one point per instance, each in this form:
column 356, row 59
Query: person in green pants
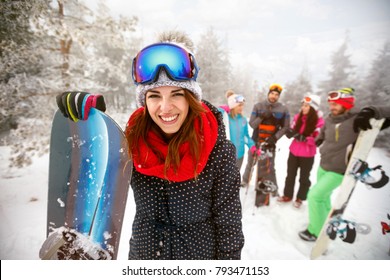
column 336, row 141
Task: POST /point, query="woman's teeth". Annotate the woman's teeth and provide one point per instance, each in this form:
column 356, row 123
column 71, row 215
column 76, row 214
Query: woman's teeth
column 169, row 119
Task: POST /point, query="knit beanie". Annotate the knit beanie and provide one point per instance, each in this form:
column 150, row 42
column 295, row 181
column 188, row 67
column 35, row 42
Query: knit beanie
column 182, row 40
column 164, row 80
column 275, row 87
column 313, row 100
column 346, row 98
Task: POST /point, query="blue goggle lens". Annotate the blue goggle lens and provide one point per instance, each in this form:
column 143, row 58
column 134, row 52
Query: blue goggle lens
column 240, row 99
column 176, row 61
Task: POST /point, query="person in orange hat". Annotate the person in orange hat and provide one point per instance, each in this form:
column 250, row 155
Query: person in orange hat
column 269, row 119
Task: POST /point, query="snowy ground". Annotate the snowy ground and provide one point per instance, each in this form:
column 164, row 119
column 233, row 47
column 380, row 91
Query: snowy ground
column 271, row 233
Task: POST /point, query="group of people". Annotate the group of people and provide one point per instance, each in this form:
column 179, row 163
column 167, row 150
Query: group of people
column 270, row 120
column 186, row 172
column 335, row 135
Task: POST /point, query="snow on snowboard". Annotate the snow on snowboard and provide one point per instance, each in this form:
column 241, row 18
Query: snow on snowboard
column 335, row 224
column 89, row 177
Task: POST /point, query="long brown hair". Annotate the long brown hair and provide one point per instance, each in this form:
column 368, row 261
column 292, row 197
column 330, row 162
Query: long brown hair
column 311, row 122
column 143, row 123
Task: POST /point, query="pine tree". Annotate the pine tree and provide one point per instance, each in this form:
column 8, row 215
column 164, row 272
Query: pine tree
column 296, row 90
column 63, row 53
column 340, row 75
column 377, row 89
column 377, row 83
column 21, row 62
column 213, row 61
column 242, row 82
column 114, row 50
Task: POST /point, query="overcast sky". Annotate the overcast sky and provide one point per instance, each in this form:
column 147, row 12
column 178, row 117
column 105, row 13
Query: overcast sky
column 275, row 38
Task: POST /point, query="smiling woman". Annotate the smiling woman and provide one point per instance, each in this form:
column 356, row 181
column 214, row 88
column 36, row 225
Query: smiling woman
column 187, row 207
column 187, row 202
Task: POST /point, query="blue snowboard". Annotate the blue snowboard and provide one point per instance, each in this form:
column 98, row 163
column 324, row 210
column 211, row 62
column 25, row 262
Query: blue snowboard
column 89, row 177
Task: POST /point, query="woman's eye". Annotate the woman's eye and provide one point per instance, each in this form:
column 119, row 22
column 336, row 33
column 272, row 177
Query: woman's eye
column 153, row 95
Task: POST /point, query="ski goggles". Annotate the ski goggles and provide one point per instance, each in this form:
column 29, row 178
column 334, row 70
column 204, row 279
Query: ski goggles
column 179, row 64
column 239, row 99
column 335, row 95
column 276, row 87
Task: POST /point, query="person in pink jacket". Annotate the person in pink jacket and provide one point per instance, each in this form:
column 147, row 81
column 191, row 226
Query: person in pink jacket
column 304, row 128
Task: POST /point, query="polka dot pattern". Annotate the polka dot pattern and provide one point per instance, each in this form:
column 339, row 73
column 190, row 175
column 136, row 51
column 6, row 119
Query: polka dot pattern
column 196, row 219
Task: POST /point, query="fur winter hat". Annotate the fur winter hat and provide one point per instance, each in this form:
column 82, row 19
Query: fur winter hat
column 182, row 40
column 345, row 97
column 313, row 100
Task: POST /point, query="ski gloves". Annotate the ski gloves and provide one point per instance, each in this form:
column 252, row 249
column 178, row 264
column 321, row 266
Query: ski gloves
column 271, row 140
column 362, row 120
column 254, row 151
column 319, row 142
column 291, row 133
column 76, row 105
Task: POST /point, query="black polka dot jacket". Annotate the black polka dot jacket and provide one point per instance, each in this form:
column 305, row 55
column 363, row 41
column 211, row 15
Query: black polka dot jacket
column 197, row 219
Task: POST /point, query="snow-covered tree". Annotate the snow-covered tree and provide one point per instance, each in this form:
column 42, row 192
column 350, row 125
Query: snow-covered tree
column 377, row 88
column 242, row 82
column 214, row 64
column 295, row 90
column 340, row 74
column 69, row 49
column 21, row 64
column 115, row 50
column 93, row 52
column 377, row 83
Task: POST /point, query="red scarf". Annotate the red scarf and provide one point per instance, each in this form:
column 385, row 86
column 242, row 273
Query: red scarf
column 146, row 161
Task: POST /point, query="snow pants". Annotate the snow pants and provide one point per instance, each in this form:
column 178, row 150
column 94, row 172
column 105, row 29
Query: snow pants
column 304, row 164
column 319, row 198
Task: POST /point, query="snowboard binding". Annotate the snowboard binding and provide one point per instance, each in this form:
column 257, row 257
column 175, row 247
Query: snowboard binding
column 266, row 151
column 346, row 230
column 266, row 187
column 364, row 174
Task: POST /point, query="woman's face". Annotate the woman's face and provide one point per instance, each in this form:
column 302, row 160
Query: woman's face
column 168, row 108
column 239, row 108
column 305, row 108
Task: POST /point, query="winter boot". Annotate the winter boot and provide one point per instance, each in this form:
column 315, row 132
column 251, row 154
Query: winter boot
column 284, row 199
column 297, row 203
column 307, row 236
